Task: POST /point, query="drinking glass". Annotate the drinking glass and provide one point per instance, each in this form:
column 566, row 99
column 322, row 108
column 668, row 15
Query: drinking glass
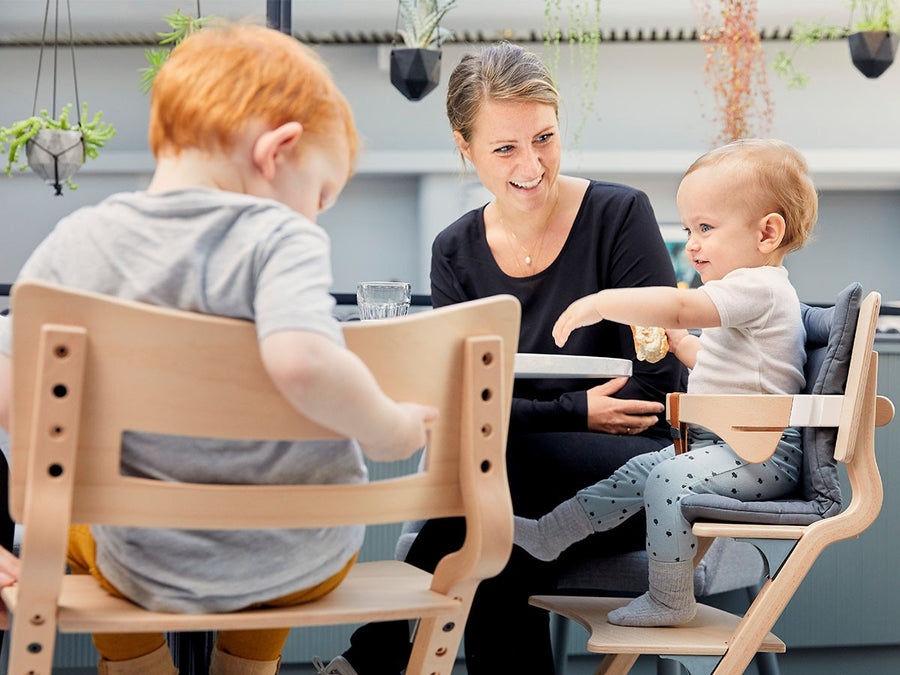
column 382, row 299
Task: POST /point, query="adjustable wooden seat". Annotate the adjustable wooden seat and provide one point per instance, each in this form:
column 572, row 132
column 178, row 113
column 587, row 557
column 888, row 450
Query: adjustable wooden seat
column 839, row 415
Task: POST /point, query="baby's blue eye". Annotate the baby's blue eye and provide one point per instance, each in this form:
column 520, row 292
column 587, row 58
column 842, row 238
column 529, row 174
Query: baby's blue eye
column 705, row 228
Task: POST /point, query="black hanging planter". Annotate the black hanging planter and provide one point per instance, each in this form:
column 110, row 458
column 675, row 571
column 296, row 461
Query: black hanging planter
column 873, row 51
column 415, row 72
column 55, row 155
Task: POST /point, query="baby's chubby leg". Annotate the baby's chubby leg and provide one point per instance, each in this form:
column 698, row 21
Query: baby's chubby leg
column 710, row 467
column 597, row 508
column 551, row 534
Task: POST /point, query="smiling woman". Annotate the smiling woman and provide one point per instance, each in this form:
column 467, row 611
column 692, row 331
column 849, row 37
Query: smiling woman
column 547, row 239
column 515, row 148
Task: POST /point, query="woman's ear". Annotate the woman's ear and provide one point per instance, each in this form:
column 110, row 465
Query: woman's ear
column 771, row 232
column 462, row 144
column 271, row 145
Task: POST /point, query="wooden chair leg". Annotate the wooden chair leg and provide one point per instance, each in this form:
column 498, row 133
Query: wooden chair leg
column 769, row 604
column 766, row 662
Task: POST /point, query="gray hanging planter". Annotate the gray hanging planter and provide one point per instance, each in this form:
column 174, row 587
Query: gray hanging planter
column 873, row 51
column 55, row 155
column 415, row 72
column 54, row 147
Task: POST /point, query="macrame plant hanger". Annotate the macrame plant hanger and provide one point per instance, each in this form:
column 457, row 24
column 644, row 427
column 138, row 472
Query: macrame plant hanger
column 56, row 154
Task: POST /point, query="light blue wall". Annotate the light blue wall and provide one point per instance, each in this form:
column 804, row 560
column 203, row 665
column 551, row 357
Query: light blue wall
column 652, row 117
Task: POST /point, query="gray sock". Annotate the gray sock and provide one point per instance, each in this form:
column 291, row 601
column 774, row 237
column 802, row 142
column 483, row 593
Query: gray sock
column 669, row 602
column 551, row 534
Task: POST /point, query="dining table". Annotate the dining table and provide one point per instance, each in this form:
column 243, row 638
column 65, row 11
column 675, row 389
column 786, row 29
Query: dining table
column 534, row 366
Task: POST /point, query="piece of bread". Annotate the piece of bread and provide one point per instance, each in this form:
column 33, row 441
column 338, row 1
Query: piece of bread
column 650, row 343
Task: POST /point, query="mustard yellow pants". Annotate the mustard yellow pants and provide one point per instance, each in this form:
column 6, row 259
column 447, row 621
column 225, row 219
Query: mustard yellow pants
column 257, row 645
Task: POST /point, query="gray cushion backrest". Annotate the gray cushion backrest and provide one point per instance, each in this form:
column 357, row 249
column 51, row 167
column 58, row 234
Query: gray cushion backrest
column 829, row 342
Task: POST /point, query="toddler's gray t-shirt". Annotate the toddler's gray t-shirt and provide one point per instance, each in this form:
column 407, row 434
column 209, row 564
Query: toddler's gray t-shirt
column 232, row 255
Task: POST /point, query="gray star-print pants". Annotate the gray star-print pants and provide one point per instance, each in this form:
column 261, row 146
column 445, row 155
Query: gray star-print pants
column 656, row 482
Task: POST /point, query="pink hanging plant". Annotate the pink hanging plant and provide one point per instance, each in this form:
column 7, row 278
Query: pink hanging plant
column 736, row 68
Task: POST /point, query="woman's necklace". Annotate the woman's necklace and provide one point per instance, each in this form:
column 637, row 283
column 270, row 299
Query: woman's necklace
column 527, row 257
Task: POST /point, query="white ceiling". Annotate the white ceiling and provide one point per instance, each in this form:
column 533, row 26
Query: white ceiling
column 112, row 17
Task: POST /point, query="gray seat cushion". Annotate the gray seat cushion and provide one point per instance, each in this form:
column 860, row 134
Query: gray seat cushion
column 829, row 341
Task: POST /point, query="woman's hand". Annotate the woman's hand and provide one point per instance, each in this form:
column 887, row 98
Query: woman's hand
column 619, row 416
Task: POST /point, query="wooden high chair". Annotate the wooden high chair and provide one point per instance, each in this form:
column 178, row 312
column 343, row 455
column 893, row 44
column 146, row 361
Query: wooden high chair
column 87, row 367
column 842, row 374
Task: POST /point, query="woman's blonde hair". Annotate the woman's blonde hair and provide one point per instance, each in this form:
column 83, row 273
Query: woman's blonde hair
column 502, row 72
column 223, row 76
column 778, row 181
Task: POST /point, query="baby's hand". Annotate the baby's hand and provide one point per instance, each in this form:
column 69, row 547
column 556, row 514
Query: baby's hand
column 420, row 416
column 10, row 566
column 406, row 433
column 675, row 336
column 582, row 312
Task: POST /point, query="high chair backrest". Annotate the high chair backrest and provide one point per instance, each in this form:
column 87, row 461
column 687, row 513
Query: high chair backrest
column 108, row 366
column 87, row 368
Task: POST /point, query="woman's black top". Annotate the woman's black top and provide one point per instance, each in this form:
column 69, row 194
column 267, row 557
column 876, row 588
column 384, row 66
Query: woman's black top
column 615, row 242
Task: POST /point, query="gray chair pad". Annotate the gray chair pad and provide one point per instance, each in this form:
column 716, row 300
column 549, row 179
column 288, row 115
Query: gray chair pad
column 829, row 341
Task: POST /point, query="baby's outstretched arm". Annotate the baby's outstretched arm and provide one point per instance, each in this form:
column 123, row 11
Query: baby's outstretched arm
column 332, row 386
column 645, row 306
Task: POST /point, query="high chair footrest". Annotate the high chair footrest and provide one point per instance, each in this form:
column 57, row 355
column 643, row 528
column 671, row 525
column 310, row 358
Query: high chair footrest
column 707, row 634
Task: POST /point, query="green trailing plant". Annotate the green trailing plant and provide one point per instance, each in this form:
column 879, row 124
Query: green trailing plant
column 95, row 133
column 576, row 22
column 420, row 20
column 180, row 26
column 865, row 15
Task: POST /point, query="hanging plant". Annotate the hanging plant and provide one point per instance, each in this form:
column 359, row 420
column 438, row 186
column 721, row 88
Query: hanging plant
column 872, row 37
column 735, row 69
column 54, row 147
column 180, row 26
column 416, row 67
column 579, row 25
